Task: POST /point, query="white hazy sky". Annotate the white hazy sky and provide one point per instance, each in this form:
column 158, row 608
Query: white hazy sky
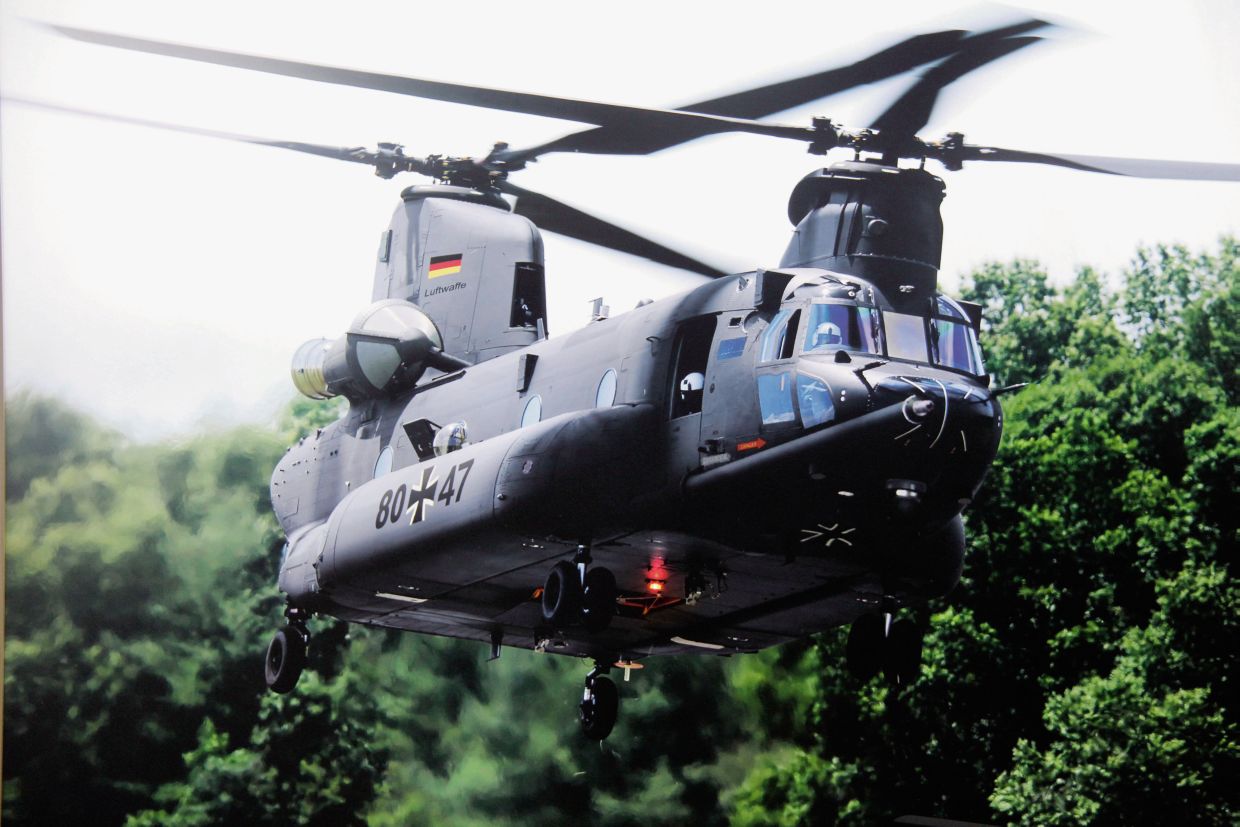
column 162, row 281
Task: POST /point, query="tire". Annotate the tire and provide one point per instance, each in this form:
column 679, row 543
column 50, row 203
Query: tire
column 903, row 662
column 561, row 597
column 286, row 657
column 598, row 715
column 866, row 644
column 599, row 600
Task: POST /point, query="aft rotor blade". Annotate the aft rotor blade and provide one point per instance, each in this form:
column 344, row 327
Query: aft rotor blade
column 912, row 110
column 1132, row 167
column 558, row 217
column 524, row 102
column 357, row 155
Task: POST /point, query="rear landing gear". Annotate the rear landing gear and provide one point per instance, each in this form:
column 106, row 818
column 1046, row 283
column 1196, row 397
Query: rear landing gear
column 574, row 594
column 286, row 654
column 877, row 644
column 600, row 704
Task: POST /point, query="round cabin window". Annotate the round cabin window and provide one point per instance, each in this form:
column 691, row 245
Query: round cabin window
column 605, row 395
column 533, row 412
column 384, row 464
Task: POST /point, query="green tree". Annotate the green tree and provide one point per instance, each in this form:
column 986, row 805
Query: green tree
column 41, row 436
column 1152, row 739
column 140, row 596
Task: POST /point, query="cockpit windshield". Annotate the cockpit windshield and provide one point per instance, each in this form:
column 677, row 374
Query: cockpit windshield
column 943, row 334
column 835, row 327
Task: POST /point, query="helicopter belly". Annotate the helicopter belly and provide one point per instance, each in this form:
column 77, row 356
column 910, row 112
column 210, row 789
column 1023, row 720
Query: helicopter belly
column 713, row 599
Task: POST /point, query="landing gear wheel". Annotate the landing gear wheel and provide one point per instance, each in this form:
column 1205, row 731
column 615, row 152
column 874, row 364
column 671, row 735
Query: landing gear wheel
column 599, row 708
column 902, row 664
column 286, row 657
column 866, row 644
column 599, row 601
column 561, row 597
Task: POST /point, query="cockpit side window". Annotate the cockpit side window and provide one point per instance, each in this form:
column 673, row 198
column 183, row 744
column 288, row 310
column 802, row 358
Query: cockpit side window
column 779, row 338
column 775, row 398
column 835, row 327
column 954, row 345
column 814, row 399
column 948, row 308
column 953, row 341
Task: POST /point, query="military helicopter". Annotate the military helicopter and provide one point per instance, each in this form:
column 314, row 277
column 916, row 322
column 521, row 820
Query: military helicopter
column 769, row 455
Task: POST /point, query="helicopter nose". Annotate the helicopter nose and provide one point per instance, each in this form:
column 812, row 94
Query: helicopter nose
column 943, row 448
column 969, row 421
column 942, row 411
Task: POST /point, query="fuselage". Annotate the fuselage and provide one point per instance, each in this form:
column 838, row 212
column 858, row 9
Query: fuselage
column 760, row 458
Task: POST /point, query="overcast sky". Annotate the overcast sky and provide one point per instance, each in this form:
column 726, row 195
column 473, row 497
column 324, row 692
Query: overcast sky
column 163, row 281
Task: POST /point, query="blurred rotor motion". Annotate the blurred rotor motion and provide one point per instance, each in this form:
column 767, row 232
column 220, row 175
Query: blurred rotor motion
column 634, row 130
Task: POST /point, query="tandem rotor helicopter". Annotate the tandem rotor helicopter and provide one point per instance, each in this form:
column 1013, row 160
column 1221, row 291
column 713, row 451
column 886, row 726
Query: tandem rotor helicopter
column 769, row 455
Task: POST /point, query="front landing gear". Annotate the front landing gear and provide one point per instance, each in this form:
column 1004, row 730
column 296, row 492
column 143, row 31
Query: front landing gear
column 561, row 595
column 600, row 704
column 286, row 654
column 877, row 644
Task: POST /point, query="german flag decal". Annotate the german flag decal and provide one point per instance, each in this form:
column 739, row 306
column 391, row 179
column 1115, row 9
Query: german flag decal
column 444, row 265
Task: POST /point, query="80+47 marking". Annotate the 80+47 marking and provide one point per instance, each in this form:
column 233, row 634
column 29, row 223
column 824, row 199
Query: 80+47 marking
column 418, row 501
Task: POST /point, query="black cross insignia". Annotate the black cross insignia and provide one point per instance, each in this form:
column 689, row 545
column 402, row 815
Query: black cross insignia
column 424, row 498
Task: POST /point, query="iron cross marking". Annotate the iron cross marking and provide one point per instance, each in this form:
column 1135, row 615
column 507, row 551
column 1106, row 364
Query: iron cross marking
column 828, row 531
column 421, row 499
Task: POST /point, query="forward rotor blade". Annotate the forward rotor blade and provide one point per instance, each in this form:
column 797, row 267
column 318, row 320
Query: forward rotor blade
column 786, row 94
column 757, row 103
column 1131, row 167
column 634, row 117
column 357, row 155
column 912, row 110
column 775, row 97
column 558, row 217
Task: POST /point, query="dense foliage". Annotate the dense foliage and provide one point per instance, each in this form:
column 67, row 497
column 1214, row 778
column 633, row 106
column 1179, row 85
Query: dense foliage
column 1083, row 672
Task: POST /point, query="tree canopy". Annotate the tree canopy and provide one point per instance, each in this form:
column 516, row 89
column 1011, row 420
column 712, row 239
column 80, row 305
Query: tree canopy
column 1082, row 673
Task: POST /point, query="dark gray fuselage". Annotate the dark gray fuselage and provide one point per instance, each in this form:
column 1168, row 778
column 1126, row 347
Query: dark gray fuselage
column 773, row 530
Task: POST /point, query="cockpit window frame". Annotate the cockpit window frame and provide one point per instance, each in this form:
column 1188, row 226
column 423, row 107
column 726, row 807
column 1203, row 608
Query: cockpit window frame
column 937, row 311
column 876, row 332
column 954, row 314
column 933, row 323
column 780, row 340
column 973, row 346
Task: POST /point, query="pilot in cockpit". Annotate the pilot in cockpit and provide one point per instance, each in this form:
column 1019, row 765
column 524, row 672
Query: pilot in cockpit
column 827, row 334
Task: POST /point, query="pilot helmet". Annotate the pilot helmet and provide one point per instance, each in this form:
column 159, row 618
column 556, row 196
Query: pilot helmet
column 692, row 382
column 451, row 437
column 827, row 333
